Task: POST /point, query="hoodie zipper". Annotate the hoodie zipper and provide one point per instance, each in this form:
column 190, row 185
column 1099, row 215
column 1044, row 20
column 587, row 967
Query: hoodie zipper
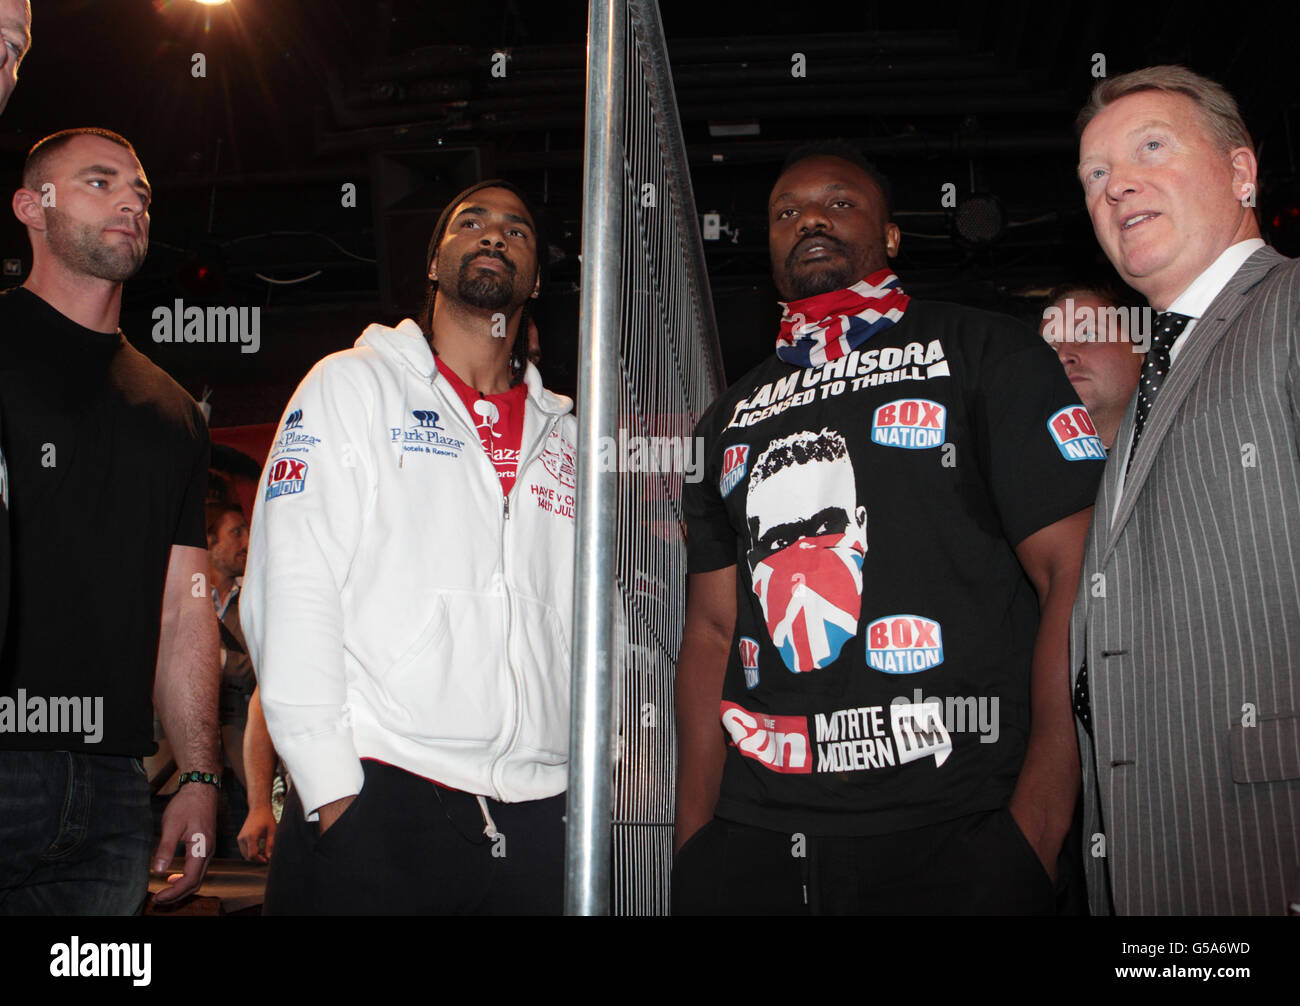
column 538, row 447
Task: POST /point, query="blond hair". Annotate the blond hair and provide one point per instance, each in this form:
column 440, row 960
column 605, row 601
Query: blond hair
column 1218, row 107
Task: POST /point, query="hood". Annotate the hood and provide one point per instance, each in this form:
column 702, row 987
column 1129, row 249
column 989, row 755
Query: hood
column 404, row 346
column 406, row 349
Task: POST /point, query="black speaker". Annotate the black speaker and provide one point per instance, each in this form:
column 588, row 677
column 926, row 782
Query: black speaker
column 410, row 188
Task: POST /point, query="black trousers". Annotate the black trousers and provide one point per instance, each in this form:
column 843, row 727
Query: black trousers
column 408, row 847
column 976, row 865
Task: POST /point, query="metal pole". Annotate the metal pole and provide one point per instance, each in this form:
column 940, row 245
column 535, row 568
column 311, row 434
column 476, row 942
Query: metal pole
column 587, row 846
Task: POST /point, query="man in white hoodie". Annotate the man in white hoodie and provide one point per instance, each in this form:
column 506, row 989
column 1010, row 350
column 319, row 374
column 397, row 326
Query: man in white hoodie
column 408, row 594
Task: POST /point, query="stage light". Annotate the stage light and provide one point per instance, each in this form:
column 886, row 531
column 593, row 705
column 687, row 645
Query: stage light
column 211, row 3
column 978, row 221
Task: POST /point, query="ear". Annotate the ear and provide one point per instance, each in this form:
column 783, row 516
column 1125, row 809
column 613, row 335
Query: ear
column 893, row 238
column 1245, row 170
column 28, row 209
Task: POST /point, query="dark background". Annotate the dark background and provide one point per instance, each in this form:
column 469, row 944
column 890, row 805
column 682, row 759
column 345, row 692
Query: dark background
column 396, row 97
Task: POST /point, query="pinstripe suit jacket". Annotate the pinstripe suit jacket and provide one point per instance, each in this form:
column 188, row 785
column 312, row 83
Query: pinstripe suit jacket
column 1189, row 609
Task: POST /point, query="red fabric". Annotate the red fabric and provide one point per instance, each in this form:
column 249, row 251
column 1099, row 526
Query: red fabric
column 255, row 441
column 500, row 423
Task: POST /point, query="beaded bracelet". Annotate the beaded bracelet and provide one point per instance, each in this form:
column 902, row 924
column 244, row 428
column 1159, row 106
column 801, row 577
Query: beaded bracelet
column 211, row 778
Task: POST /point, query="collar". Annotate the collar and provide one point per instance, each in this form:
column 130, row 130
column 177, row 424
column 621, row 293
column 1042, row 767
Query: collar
column 234, row 592
column 1196, row 299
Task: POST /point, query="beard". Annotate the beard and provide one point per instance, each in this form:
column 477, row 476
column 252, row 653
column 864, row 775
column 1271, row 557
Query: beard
column 821, row 277
column 82, row 248
column 488, row 291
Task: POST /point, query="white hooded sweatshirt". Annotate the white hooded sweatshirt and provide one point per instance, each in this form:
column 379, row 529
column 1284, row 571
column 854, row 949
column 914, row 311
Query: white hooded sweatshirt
column 397, row 606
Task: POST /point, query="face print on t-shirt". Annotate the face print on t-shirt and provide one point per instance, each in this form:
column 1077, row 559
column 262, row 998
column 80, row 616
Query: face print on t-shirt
column 807, row 541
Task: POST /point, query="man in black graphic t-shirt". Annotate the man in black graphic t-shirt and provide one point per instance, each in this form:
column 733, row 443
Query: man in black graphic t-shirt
column 872, row 715
column 15, row 41
column 108, row 465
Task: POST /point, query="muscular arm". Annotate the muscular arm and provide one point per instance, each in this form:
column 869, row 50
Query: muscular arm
column 701, row 666
column 185, row 694
column 1045, row 794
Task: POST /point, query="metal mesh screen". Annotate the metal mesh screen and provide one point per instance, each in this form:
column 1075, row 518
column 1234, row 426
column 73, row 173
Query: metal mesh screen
column 671, row 370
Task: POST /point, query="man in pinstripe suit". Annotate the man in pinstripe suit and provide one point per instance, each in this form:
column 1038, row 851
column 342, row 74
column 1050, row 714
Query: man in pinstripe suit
column 1185, row 639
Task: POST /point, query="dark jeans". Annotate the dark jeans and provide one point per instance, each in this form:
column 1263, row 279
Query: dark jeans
column 976, row 865
column 232, row 812
column 75, row 832
column 408, row 847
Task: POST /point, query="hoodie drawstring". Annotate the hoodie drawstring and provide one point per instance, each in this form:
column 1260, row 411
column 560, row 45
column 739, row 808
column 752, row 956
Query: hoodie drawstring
column 489, row 826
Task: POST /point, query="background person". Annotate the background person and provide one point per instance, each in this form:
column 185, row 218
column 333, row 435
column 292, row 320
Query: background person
column 1091, row 339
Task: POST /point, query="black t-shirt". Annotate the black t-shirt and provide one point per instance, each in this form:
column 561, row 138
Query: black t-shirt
column 5, row 557
column 108, row 461
column 879, row 674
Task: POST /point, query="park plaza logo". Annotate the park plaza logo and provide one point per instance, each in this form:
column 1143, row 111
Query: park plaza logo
column 427, row 435
column 293, row 438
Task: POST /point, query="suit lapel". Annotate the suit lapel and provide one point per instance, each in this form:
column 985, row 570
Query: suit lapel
column 1210, row 328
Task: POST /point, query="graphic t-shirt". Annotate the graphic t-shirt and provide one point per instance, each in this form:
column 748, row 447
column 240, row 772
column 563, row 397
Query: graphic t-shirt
column 500, row 422
column 108, row 467
column 878, row 679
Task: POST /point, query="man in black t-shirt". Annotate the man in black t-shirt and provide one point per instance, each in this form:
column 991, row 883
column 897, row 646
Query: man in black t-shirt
column 15, row 41
column 108, row 466
column 872, row 695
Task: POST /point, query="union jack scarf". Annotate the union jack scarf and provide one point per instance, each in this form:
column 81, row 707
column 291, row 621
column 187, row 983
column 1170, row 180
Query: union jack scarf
column 819, row 329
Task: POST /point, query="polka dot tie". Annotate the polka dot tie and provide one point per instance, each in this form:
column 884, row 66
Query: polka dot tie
column 1168, row 327
column 1081, row 707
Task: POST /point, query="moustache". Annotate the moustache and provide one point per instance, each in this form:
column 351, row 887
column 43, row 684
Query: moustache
column 500, row 256
column 819, row 238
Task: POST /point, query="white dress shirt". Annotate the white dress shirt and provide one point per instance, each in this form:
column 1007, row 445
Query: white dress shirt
column 1193, row 302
